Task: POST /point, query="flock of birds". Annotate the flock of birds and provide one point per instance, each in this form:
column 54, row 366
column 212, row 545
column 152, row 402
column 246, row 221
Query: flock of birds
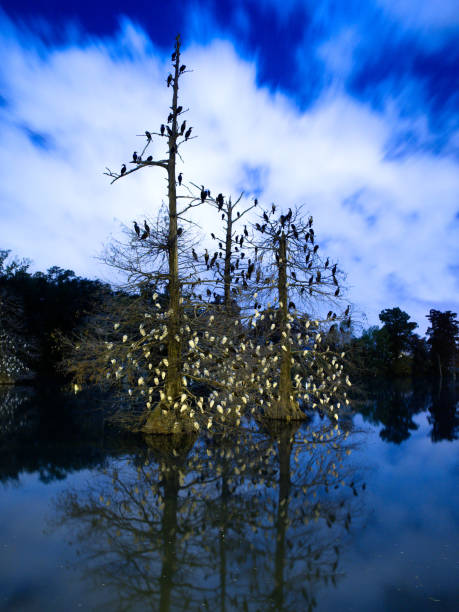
column 145, row 234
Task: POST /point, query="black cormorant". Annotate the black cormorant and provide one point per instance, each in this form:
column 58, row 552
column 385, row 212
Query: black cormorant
column 169, row 80
column 148, row 135
column 162, row 129
column 123, row 169
column 136, row 228
column 180, row 177
column 188, row 133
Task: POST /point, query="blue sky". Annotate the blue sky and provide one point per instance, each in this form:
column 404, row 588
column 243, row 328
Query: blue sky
column 351, row 109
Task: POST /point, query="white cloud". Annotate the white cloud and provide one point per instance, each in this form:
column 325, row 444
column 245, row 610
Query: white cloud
column 90, row 102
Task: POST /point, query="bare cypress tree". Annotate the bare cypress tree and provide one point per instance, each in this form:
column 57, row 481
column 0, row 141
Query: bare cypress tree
column 164, row 418
column 297, row 371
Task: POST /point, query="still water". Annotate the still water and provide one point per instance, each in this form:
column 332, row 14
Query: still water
column 359, row 518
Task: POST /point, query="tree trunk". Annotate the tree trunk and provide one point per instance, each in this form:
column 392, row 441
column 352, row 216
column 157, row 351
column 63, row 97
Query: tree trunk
column 164, row 418
column 286, row 408
column 227, row 273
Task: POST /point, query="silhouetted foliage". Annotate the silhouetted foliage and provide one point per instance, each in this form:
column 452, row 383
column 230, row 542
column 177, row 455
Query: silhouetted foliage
column 443, row 339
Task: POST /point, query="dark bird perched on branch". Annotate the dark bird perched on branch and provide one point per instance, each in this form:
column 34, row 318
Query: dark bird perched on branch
column 203, row 194
column 170, row 117
column 238, row 214
column 291, row 305
column 255, row 202
column 311, row 278
column 220, row 246
column 147, row 227
column 213, row 235
column 308, row 256
column 136, row 228
column 282, row 220
column 150, row 158
column 188, row 133
column 265, row 217
column 329, row 314
column 310, row 221
column 334, row 270
column 214, row 259
column 289, row 215
column 144, row 235
column 179, row 231
column 223, row 217
column 316, row 248
column 250, row 269
column 209, row 292
column 246, row 233
column 123, row 169
column 346, row 312
column 295, row 233
column 208, row 193
column 220, row 201
column 162, row 129
column 179, row 109
column 311, row 235
column 206, row 257
column 273, row 208
column 180, row 178
column 327, row 262
column 134, row 156
column 258, row 226
column 318, row 277
column 241, row 240
column 195, row 256
column 148, row 135
column 182, row 128
column 293, row 274
column 335, row 282
column 169, row 80
column 182, row 68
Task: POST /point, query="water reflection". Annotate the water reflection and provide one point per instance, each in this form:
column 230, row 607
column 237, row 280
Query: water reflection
column 394, row 404
column 45, row 431
column 254, row 523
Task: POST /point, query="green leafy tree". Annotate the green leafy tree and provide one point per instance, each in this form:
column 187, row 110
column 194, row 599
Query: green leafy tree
column 443, row 340
column 398, row 331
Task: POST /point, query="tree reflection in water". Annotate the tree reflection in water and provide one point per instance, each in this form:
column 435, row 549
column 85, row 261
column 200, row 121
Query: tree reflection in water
column 253, row 522
column 394, row 404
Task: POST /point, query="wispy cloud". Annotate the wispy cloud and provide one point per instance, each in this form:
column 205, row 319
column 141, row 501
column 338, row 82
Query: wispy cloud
column 70, row 110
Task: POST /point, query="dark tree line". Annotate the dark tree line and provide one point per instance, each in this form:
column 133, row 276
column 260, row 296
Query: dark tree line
column 36, row 311
column 395, row 350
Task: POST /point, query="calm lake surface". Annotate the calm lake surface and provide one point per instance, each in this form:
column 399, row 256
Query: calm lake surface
column 363, row 518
